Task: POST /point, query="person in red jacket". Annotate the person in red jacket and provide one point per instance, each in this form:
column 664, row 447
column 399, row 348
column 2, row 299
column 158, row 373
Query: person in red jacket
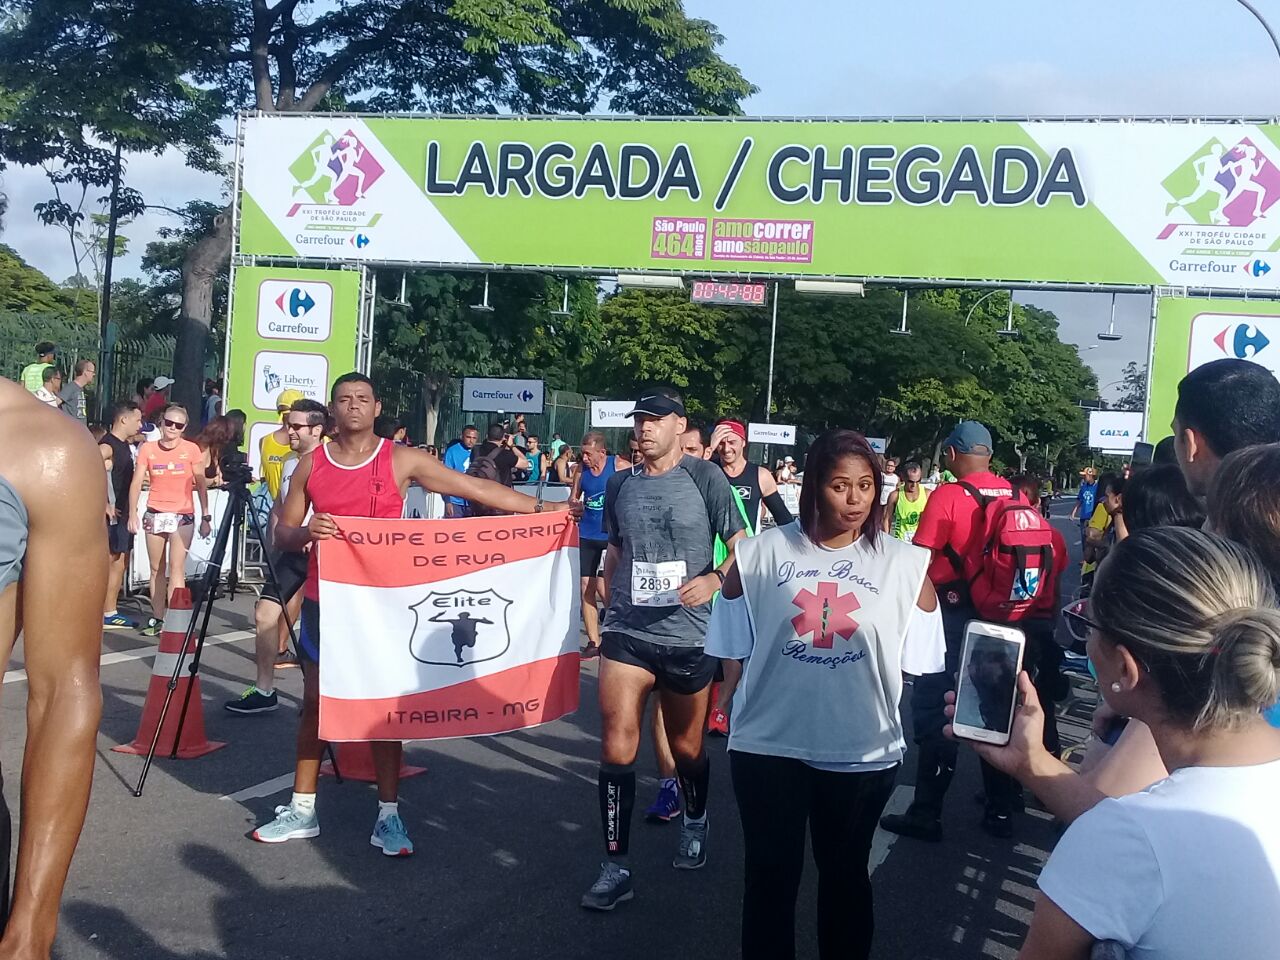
column 952, row 527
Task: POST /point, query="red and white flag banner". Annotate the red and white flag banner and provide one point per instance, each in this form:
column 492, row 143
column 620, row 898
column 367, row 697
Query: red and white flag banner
column 447, row 628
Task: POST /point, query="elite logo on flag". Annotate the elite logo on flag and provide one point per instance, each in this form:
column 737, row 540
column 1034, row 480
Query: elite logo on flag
column 461, row 627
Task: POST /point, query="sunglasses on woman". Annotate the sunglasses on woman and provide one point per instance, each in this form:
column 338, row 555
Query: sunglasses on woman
column 176, row 424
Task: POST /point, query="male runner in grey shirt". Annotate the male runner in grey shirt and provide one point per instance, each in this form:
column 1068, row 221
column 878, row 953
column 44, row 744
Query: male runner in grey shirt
column 663, row 516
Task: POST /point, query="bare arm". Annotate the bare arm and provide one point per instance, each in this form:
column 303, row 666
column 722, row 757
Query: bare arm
column 887, row 520
column 290, row 534
column 428, row 472
column 732, row 590
column 612, row 557
column 135, row 493
column 522, row 462
column 1063, row 792
column 700, row 590
column 65, row 499
column 202, row 492
column 1054, row 935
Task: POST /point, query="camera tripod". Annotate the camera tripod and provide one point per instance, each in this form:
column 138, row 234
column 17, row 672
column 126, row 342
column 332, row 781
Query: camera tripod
column 229, row 530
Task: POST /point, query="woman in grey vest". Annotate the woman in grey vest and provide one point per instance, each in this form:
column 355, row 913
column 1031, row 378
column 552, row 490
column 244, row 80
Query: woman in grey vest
column 827, row 614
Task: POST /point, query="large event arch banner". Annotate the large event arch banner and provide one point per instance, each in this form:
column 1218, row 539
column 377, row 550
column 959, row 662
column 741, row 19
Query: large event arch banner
column 1144, row 203
column 1192, row 331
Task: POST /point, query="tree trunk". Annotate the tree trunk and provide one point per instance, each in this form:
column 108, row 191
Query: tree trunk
column 1022, row 458
column 199, row 270
column 433, row 388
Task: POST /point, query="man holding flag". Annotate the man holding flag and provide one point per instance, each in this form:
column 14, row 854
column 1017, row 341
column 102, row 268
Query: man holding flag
column 663, row 516
column 357, row 475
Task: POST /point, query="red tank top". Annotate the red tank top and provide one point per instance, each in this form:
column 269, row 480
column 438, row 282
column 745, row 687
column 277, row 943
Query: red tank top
column 366, row 490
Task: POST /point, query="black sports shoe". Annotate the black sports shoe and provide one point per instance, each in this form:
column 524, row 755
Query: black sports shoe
column 915, row 825
column 999, row 825
column 252, row 701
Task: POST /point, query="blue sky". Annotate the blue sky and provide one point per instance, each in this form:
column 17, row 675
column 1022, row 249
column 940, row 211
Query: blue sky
column 929, row 57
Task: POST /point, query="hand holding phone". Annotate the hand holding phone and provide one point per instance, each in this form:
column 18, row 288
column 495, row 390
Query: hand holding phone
column 987, row 682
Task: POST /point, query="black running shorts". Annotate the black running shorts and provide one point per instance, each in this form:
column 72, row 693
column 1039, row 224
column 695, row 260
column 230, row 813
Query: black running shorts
column 291, row 571
column 683, row 670
column 591, row 557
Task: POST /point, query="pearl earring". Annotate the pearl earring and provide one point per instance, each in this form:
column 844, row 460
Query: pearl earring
column 1115, row 687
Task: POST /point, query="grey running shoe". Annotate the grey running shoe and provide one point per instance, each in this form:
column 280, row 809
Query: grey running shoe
column 693, row 845
column 612, row 887
column 289, row 824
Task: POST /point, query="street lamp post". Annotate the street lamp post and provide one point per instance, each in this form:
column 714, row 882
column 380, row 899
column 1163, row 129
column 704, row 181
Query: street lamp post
column 1257, row 15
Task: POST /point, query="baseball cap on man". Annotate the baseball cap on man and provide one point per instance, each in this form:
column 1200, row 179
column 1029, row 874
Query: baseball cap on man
column 969, row 436
column 288, row 398
column 161, row 383
column 657, row 403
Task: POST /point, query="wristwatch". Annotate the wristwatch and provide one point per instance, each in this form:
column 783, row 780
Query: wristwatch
column 207, row 517
column 719, row 574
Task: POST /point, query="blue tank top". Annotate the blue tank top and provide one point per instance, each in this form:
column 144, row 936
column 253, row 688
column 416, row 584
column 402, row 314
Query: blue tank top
column 592, row 525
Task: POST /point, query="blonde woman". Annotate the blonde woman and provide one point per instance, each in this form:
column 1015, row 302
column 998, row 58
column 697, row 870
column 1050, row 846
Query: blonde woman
column 173, row 470
column 1184, row 633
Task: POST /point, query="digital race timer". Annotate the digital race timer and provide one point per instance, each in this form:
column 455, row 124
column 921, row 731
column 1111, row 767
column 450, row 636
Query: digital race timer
column 740, row 294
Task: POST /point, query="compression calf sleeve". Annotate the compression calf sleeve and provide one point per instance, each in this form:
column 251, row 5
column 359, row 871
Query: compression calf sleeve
column 617, row 787
column 695, row 777
column 778, row 508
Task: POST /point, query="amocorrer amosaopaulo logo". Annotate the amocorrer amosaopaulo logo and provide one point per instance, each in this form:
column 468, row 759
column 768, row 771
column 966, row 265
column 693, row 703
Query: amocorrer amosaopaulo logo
column 332, row 177
column 1219, row 200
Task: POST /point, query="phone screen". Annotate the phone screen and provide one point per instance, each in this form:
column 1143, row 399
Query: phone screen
column 1142, row 454
column 988, row 681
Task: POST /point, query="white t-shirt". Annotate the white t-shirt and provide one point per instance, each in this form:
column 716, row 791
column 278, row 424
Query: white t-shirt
column 886, row 489
column 1188, row 869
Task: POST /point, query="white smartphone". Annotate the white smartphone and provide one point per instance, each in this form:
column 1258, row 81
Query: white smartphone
column 987, row 683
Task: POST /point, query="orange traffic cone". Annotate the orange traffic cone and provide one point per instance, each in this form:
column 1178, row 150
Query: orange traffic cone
column 355, row 762
column 194, row 743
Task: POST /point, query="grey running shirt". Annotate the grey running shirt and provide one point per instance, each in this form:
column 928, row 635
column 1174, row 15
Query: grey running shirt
column 674, row 516
column 13, row 534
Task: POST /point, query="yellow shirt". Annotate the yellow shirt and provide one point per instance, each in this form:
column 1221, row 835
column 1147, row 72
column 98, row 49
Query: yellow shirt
column 1101, row 520
column 273, row 454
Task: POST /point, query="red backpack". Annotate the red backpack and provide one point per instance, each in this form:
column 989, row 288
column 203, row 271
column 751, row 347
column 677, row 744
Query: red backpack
column 1015, row 566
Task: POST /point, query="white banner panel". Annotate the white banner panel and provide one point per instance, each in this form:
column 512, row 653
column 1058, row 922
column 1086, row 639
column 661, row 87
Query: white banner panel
column 611, row 413
column 783, row 433
column 1114, row 430
column 502, row 395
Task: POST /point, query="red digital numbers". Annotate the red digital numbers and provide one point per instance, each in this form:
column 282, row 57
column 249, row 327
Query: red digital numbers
column 712, row 291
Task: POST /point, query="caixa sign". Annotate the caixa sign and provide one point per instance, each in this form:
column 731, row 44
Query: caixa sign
column 1114, row 433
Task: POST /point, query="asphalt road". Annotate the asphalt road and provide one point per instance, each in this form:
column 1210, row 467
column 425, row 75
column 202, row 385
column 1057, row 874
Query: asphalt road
column 507, row 840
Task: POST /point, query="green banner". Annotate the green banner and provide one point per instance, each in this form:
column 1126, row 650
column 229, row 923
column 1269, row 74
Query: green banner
column 290, row 330
column 1132, row 203
column 1192, row 331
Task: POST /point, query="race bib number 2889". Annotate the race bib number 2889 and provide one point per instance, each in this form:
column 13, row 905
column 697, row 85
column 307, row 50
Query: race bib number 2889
column 657, row 584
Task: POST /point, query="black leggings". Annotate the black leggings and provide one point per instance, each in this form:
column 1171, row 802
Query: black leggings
column 776, row 797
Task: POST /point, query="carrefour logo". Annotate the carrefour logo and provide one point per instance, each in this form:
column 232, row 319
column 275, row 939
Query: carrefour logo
column 295, row 310
column 1241, row 340
column 1219, row 336
column 299, row 302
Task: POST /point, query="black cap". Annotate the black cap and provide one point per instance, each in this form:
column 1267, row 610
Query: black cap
column 655, row 404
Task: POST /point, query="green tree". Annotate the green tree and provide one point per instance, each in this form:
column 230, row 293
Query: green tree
column 24, row 289
column 1133, row 387
column 86, row 83
column 476, row 56
column 436, row 334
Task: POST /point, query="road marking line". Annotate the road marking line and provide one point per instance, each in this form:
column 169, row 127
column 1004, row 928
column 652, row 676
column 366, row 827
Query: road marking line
column 141, row 653
column 264, row 789
column 883, row 839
